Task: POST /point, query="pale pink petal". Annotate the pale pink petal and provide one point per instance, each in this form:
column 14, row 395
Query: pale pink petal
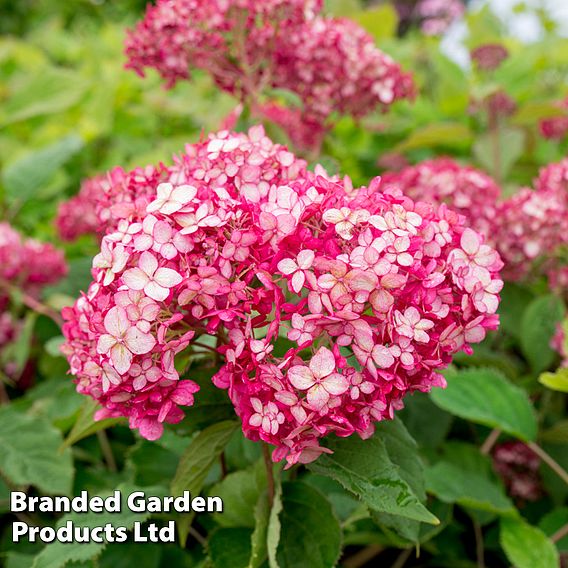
column 148, row 263
column 105, row 343
column 382, row 357
column 156, row 292
column 167, row 277
column 121, row 358
column 135, row 279
column 138, row 342
column 322, row 363
column 287, row 266
column 256, row 404
column 470, row 241
column 298, row 281
column 301, row 377
column 255, row 420
column 305, row 259
column 318, row 397
column 184, row 194
column 116, row 321
column 335, row 384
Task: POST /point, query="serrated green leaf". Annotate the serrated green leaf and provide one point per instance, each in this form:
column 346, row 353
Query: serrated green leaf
column 310, row 534
column 29, row 453
column 365, row 468
column 485, row 396
column 537, row 328
column 527, row 546
column 25, row 177
column 454, row 484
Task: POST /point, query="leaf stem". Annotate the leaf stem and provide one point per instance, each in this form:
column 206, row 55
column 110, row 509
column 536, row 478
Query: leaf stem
column 490, row 441
column 107, row 451
column 269, row 472
column 560, row 533
column 549, row 461
column 479, row 547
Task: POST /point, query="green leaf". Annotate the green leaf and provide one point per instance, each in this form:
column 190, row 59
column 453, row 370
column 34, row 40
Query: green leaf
column 445, row 134
column 85, row 425
column 58, row 554
column 365, row 468
column 514, row 301
column 274, row 525
column 240, row 492
column 554, row 521
column 428, row 424
column 556, row 381
column 486, row 397
column 556, row 434
column 259, row 537
column 152, row 463
column 25, row 177
column 452, row 483
column 19, row 350
column 310, row 533
column 230, row 547
column 128, row 554
column 537, row 329
column 527, row 546
column 497, row 153
column 380, row 21
column 49, row 92
column 203, row 451
column 29, row 453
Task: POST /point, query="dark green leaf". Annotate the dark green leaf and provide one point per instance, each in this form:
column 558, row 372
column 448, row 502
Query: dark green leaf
column 365, row 468
column 230, row 547
column 310, row 533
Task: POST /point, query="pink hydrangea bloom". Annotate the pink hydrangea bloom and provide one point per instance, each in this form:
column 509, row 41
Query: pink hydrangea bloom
column 464, row 189
column 374, row 290
column 251, row 47
column 556, row 127
column 532, row 232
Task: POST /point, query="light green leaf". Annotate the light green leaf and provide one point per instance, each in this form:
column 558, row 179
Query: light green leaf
column 310, row 533
column 498, row 153
column 365, row 468
column 49, row 92
column 553, row 522
column 240, row 492
column 527, row 546
column 274, row 525
column 556, row 381
column 452, row 483
column 259, row 541
column 446, row 134
column 485, row 396
column 29, row 453
column 25, row 177
column 380, row 21
column 537, row 329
